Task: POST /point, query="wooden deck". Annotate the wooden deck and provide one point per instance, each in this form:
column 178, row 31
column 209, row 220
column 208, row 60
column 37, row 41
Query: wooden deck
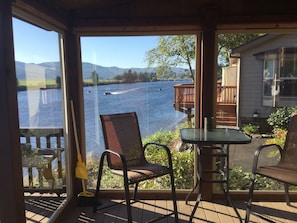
column 38, row 209
column 226, row 102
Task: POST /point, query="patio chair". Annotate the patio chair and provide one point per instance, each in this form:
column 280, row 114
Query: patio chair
column 125, row 157
column 284, row 171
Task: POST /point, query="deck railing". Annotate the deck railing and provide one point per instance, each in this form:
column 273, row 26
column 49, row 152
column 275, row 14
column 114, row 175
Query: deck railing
column 226, row 102
column 184, row 95
column 42, row 152
column 226, row 94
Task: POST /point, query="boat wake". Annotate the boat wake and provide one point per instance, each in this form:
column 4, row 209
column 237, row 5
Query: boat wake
column 123, row 92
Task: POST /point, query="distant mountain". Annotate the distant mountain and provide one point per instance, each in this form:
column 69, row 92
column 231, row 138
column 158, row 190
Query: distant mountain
column 108, row 72
column 50, row 70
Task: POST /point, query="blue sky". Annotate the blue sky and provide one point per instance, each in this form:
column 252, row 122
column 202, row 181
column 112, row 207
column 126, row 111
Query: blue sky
column 125, row 52
column 36, row 45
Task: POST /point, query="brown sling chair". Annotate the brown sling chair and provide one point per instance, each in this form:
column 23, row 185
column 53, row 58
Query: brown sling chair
column 286, row 169
column 125, row 157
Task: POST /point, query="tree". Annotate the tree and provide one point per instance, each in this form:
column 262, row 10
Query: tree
column 173, row 51
column 95, row 77
column 129, row 76
column 58, row 81
column 231, row 41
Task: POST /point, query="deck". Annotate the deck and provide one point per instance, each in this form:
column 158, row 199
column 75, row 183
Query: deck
column 226, row 102
column 39, row 208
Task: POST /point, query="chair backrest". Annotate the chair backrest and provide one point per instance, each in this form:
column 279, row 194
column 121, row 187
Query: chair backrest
column 122, row 135
column 289, row 156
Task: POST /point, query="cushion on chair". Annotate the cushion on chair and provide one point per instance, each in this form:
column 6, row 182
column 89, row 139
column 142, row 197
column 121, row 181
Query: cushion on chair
column 144, row 172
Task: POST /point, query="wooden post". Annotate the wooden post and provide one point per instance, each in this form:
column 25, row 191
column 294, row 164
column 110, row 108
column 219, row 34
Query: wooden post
column 208, row 82
column 12, row 207
column 74, row 82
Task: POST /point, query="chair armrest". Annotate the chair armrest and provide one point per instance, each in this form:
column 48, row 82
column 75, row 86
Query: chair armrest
column 258, row 152
column 165, row 148
column 121, row 157
column 157, row 144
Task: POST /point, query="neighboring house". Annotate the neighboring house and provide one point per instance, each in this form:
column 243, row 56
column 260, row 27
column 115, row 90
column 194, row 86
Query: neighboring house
column 267, row 72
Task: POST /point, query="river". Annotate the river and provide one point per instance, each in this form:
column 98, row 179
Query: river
column 152, row 101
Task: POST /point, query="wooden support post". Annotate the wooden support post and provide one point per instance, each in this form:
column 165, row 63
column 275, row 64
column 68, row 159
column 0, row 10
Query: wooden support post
column 75, row 92
column 12, row 196
column 208, row 84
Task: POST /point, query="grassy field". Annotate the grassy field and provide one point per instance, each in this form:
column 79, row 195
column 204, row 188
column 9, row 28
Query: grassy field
column 36, row 83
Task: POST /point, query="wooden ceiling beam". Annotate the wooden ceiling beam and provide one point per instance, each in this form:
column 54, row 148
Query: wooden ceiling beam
column 263, row 23
column 130, row 26
column 44, row 16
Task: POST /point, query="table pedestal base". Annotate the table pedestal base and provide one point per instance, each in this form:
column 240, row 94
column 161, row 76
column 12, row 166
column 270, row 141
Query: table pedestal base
column 221, row 173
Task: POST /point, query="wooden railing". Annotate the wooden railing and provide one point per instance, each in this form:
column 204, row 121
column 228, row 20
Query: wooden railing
column 184, row 95
column 226, row 102
column 226, row 94
column 42, row 150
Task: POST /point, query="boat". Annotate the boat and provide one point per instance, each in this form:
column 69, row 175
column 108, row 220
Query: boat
column 107, row 92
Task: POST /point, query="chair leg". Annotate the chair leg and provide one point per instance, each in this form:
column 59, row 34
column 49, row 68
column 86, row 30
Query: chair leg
column 287, row 193
column 249, row 202
column 127, row 196
column 98, row 182
column 135, row 191
column 174, row 197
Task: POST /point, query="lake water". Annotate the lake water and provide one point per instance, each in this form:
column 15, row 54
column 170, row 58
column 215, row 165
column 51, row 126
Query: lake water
column 152, row 101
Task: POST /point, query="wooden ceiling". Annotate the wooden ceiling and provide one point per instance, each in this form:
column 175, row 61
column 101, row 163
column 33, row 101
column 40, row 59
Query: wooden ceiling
column 169, row 7
column 156, row 13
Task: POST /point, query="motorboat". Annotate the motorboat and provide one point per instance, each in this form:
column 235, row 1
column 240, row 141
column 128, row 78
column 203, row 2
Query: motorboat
column 107, row 92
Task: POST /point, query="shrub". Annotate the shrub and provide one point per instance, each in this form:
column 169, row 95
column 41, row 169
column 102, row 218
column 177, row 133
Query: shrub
column 183, row 162
column 279, row 137
column 183, row 166
column 281, row 117
column 240, row 180
column 251, row 129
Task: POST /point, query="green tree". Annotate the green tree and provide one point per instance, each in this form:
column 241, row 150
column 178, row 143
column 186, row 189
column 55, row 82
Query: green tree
column 143, row 77
column 173, row 51
column 129, row 76
column 231, row 41
column 58, row 81
column 95, row 77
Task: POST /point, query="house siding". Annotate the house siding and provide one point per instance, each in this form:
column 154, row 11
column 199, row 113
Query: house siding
column 251, row 77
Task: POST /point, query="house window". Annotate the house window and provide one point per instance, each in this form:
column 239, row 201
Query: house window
column 268, row 84
column 288, row 78
column 279, row 77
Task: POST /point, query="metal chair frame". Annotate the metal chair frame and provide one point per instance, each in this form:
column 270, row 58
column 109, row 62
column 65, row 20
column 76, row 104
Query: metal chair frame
column 124, row 169
column 284, row 171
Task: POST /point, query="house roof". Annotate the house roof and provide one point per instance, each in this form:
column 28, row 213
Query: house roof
column 258, row 41
column 252, row 43
column 236, row 51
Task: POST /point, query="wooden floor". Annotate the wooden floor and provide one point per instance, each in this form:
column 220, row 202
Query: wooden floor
column 39, row 210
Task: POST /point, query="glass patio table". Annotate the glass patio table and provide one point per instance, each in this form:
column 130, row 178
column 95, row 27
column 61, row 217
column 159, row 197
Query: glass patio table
column 213, row 143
